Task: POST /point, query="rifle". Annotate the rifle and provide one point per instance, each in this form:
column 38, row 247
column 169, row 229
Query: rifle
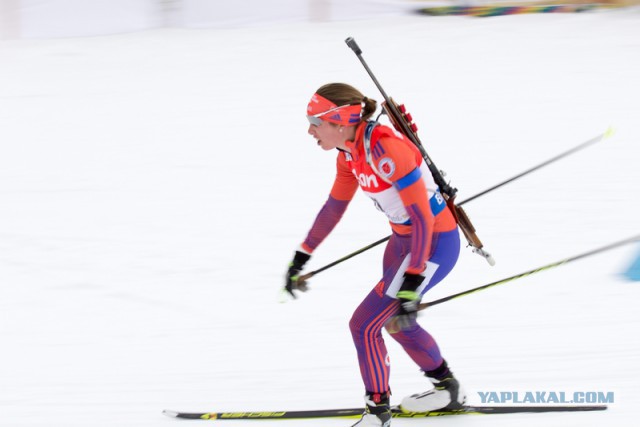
column 403, row 123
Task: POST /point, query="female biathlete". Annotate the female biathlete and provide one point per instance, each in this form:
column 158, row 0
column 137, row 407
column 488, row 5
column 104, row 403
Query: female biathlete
column 422, row 250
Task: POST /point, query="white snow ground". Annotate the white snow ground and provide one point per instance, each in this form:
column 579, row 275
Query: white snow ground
column 154, row 186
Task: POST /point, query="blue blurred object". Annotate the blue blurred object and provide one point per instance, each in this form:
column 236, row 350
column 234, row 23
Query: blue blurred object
column 633, row 272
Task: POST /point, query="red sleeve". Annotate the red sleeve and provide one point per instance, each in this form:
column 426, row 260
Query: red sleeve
column 344, row 187
column 345, row 184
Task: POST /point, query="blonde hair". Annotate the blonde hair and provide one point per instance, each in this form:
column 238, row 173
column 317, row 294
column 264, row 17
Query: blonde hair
column 343, row 94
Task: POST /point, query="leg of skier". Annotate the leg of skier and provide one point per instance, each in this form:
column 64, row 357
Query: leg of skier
column 376, row 311
column 420, row 345
column 366, row 328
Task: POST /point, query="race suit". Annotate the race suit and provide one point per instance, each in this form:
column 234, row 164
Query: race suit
column 425, row 240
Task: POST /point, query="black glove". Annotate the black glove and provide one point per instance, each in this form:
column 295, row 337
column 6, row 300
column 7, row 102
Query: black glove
column 409, row 300
column 295, row 266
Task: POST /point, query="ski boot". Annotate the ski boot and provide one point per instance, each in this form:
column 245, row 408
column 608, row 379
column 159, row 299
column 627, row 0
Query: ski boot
column 377, row 412
column 446, row 395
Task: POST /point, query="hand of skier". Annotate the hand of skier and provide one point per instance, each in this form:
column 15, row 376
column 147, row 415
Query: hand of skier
column 409, row 300
column 292, row 281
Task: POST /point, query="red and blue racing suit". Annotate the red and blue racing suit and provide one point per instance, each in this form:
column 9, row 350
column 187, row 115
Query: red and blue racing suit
column 425, row 240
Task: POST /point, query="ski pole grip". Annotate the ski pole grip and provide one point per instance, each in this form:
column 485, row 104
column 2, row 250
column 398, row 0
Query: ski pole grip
column 353, row 45
column 306, row 277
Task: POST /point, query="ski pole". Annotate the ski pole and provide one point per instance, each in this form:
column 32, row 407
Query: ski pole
column 307, row 276
column 530, row 272
column 608, row 133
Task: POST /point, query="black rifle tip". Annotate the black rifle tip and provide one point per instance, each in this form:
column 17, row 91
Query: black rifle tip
column 350, row 41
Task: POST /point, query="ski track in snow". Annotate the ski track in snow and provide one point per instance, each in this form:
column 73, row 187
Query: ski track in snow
column 154, row 186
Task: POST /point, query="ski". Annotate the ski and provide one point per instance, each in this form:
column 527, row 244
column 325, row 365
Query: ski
column 397, row 413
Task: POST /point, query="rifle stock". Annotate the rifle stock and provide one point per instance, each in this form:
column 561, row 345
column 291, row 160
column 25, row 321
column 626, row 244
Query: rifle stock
column 403, row 123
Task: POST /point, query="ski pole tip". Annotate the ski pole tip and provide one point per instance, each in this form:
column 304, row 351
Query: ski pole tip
column 284, row 296
column 609, row 132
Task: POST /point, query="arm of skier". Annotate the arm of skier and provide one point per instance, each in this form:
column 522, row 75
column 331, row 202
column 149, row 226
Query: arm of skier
column 344, row 187
column 401, row 166
column 415, row 199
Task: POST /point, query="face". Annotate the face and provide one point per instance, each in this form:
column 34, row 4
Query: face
column 328, row 135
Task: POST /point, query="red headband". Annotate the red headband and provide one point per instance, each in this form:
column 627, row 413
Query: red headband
column 346, row 115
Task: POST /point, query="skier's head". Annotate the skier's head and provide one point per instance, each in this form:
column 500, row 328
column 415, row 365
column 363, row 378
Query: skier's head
column 341, row 104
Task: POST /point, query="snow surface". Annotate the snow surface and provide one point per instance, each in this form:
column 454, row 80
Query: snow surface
column 154, row 186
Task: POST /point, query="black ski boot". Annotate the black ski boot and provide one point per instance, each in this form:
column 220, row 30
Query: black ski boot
column 445, row 395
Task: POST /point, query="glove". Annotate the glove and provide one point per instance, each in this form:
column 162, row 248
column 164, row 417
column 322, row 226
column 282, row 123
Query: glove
column 409, row 300
column 292, row 283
